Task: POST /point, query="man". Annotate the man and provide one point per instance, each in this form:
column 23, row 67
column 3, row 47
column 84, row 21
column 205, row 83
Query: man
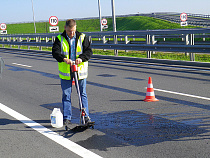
column 71, row 46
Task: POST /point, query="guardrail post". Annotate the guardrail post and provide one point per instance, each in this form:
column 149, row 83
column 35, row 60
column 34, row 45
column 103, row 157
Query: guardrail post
column 13, row 39
column 187, row 43
column 153, row 42
column 204, row 39
column 46, row 40
column 28, row 40
column 10, row 40
column 18, row 40
column 115, row 42
column 53, row 39
column 39, row 40
column 90, row 39
column 126, row 41
column 192, row 42
column 3, row 41
column 104, row 41
column 148, row 41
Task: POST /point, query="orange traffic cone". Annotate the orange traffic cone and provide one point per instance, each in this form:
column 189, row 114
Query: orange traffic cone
column 73, row 82
column 150, row 96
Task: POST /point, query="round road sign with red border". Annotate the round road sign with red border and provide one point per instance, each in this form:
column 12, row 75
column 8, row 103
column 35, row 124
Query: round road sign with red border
column 103, row 21
column 53, row 20
column 183, row 17
column 3, row 26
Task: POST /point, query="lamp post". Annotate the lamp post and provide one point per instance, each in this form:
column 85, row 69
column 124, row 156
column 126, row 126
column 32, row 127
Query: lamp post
column 33, row 16
column 113, row 17
column 99, row 10
column 114, row 26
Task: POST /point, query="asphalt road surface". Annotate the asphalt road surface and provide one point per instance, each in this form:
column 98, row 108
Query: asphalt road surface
column 178, row 125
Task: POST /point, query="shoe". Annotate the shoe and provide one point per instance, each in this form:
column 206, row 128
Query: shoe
column 66, row 122
column 87, row 119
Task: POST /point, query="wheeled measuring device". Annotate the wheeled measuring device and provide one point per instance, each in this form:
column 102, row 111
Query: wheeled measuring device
column 82, row 123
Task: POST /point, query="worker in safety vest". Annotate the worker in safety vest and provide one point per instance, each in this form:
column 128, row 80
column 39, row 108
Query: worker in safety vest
column 71, row 46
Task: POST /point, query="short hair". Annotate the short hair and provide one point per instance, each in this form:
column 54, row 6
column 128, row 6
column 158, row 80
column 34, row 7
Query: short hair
column 71, row 23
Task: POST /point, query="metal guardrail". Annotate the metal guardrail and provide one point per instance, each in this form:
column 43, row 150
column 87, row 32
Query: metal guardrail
column 181, row 40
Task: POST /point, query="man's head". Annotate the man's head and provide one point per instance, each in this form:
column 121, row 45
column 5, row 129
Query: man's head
column 70, row 27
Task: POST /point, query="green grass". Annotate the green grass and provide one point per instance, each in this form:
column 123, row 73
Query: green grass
column 145, row 23
column 92, row 25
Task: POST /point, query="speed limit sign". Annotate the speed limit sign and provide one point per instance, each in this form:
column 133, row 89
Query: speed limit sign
column 53, row 20
column 3, row 26
column 103, row 21
column 183, row 17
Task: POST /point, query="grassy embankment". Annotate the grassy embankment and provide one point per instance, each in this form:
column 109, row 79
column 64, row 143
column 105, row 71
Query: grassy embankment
column 123, row 23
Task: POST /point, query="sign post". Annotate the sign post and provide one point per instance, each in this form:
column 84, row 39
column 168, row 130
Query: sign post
column 53, row 20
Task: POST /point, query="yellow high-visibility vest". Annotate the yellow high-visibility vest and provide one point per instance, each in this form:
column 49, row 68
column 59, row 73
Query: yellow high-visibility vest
column 64, row 69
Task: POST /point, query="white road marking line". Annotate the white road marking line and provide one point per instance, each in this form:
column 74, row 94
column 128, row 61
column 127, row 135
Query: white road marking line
column 188, row 95
column 21, row 65
column 77, row 149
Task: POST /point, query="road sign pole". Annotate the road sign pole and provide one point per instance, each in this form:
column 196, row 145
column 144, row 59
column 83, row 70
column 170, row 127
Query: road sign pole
column 113, row 17
column 33, row 16
column 114, row 26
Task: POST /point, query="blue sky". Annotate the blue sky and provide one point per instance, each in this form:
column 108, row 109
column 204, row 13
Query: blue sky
column 14, row 11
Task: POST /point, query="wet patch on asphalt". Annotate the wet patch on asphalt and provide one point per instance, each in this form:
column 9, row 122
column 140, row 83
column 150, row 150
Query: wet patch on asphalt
column 139, row 129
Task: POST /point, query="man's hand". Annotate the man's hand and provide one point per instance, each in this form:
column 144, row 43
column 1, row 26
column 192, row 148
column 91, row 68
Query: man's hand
column 68, row 61
column 78, row 61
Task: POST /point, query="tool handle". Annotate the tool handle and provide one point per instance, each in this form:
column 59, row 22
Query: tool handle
column 74, row 67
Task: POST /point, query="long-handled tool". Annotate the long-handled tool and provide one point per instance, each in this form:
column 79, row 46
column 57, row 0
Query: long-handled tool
column 83, row 114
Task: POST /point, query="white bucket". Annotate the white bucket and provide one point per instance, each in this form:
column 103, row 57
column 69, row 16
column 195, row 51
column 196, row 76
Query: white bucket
column 56, row 118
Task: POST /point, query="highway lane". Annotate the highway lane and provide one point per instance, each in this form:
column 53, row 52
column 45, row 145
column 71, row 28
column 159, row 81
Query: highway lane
column 126, row 126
